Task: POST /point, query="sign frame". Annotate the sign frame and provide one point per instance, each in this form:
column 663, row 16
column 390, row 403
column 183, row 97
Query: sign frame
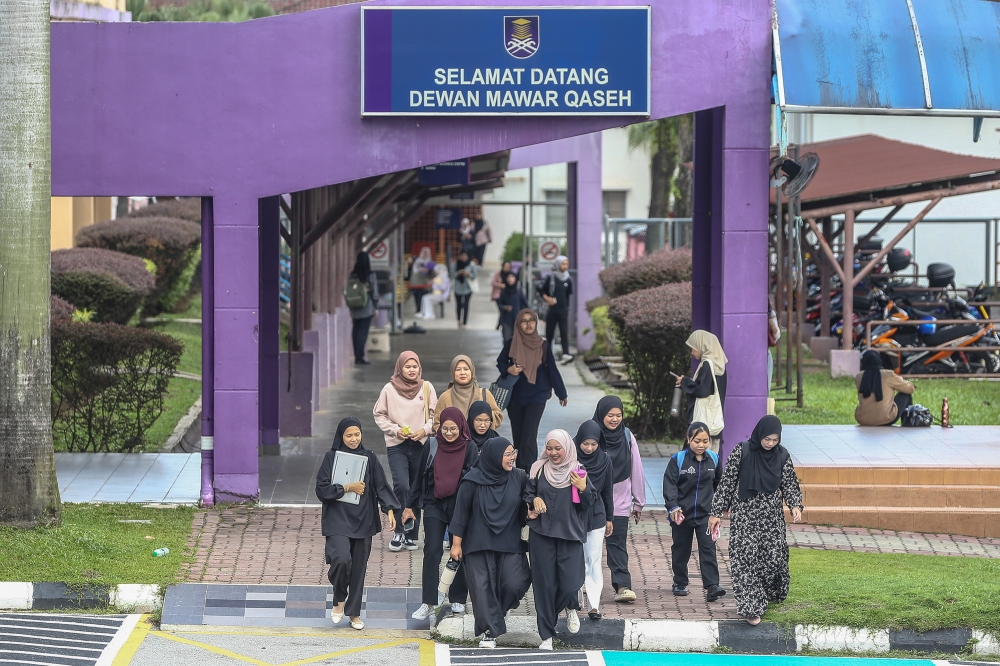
column 520, row 9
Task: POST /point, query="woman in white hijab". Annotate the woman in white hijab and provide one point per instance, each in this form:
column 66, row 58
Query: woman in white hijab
column 706, row 390
column 440, row 292
column 559, row 501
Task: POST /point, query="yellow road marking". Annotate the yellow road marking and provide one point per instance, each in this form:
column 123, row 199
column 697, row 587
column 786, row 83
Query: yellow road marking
column 135, row 639
column 426, row 649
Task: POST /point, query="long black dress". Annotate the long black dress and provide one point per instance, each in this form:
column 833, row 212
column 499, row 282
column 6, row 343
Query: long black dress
column 758, row 549
column 349, row 528
column 489, row 515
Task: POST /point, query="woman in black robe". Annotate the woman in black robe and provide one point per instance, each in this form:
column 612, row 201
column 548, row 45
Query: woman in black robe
column 557, row 533
column 481, row 424
column 486, row 536
column 348, row 527
column 445, row 460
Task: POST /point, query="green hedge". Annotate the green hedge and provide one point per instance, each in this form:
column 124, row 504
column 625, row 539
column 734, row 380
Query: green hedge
column 187, row 208
column 652, row 327
column 111, row 285
column 108, row 383
column 166, row 241
column 512, row 250
column 665, row 266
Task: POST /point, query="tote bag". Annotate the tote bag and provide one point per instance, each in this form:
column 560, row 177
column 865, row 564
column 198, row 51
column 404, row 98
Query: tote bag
column 709, row 410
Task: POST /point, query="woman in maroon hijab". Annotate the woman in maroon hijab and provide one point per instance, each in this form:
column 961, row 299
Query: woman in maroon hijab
column 446, row 458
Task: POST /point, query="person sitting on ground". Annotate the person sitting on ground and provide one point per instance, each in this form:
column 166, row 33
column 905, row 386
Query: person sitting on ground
column 440, row 293
column 875, row 383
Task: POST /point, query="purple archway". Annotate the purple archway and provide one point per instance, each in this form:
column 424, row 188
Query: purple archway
column 243, row 112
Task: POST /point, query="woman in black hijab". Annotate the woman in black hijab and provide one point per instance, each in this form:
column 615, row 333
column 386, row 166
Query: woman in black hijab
column 481, row 424
column 758, row 477
column 629, row 489
column 598, row 465
column 349, row 527
column 362, row 277
column 486, row 536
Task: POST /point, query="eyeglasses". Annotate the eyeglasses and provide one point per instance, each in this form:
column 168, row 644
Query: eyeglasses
column 511, row 455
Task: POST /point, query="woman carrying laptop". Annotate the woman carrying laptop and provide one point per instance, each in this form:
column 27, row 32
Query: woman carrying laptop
column 351, row 518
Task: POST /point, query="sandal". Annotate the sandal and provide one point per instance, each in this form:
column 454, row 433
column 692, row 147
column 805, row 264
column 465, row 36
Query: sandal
column 752, row 621
column 594, row 615
column 357, row 623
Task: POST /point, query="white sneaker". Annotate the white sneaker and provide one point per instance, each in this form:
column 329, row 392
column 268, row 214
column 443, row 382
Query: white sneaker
column 572, row 621
column 440, row 598
column 488, row 641
column 566, row 359
column 546, row 644
column 423, row 612
column 458, row 609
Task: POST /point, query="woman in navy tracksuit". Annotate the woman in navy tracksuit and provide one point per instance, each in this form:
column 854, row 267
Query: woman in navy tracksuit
column 689, row 483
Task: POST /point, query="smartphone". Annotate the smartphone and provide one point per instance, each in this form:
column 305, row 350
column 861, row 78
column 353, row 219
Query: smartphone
column 408, row 525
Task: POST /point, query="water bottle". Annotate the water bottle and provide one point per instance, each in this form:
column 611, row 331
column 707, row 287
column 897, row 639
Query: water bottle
column 675, row 404
column 448, row 575
column 160, row 552
column 945, row 414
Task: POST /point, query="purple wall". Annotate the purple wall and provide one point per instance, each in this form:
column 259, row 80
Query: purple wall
column 242, row 111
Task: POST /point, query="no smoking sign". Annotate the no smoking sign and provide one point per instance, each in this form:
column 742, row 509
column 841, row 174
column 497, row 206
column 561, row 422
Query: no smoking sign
column 548, row 251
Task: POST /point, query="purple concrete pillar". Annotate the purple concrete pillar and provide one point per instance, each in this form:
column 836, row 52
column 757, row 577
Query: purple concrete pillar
column 701, row 225
column 270, row 334
column 742, row 138
column 571, row 211
column 237, row 303
column 588, row 234
column 207, row 354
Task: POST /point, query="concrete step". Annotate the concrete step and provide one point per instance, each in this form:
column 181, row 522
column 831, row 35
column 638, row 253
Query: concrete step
column 895, row 495
column 977, row 522
column 914, row 476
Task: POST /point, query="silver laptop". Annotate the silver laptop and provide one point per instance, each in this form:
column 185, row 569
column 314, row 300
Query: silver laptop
column 349, row 468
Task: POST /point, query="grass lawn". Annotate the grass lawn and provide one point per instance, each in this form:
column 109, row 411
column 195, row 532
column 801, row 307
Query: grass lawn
column 93, row 546
column 878, row 591
column 182, row 392
column 827, row 400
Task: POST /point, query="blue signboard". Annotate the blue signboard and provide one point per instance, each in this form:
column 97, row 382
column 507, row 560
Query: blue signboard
column 445, row 173
column 488, row 61
column 448, row 218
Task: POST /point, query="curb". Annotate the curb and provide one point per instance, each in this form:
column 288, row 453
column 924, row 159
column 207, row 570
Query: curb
column 61, row 596
column 735, row 635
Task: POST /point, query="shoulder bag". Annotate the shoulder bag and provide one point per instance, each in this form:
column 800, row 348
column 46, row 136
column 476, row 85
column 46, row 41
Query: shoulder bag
column 709, row 410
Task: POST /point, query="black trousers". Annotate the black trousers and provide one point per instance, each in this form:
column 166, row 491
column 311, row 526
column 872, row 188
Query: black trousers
column 616, row 545
column 348, row 560
column 404, row 466
column 480, row 254
column 560, row 317
column 418, row 296
column 902, row 400
column 433, row 550
column 497, row 582
column 683, row 536
column 462, row 307
column 359, row 336
column 557, row 574
column 524, row 420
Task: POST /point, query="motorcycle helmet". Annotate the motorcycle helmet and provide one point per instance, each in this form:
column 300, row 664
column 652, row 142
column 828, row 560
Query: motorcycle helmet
column 927, row 329
column 898, row 259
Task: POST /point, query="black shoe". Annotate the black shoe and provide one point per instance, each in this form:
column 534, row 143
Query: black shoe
column 396, row 544
column 714, row 592
column 408, row 544
column 680, row 591
column 362, row 361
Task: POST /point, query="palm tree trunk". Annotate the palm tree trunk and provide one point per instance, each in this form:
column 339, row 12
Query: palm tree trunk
column 29, row 493
column 685, row 155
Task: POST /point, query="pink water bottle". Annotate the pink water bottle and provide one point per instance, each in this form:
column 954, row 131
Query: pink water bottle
column 582, row 473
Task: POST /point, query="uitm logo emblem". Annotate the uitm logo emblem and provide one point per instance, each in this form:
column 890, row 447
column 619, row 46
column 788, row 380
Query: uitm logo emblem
column 521, row 35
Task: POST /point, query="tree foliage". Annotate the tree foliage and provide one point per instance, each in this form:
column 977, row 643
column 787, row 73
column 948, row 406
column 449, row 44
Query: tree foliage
column 669, row 142
column 214, row 11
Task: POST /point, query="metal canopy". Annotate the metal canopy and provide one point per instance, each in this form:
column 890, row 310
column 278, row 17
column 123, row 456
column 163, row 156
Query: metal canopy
column 907, row 57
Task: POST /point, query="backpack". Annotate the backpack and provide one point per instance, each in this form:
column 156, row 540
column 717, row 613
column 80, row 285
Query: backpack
column 680, row 460
column 916, row 416
column 356, row 293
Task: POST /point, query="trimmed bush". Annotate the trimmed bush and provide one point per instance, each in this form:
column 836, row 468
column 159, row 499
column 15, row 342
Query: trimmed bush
column 110, row 284
column 187, row 208
column 166, row 241
column 653, row 325
column 183, row 285
column 662, row 267
column 605, row 340
column 60, row 310
column 108, row 384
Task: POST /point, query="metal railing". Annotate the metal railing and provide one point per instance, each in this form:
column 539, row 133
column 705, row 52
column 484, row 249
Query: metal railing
column 652, row 234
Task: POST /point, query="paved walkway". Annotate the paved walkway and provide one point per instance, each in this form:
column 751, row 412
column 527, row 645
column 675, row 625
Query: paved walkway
column 129, row 477
column 283, row 546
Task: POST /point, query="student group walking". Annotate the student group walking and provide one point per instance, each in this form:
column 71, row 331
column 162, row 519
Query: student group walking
column 541, row 512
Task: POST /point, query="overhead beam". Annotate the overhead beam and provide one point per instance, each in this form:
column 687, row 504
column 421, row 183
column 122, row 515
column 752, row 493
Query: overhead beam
column 405, row 218
column 885, row 250
column 393, row 185
column 826, row 249
column 878, row 227
column 342, row 207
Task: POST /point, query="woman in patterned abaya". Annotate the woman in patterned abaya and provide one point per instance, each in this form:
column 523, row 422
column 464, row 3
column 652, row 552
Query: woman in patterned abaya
column 759, row 475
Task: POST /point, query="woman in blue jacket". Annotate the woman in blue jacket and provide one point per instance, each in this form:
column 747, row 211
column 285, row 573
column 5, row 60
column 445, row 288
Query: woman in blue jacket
column 689, row 484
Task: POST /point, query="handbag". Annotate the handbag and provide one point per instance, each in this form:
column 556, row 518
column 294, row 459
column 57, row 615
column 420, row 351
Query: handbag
column 473, row 284
column 709, row 410
column 501, row 389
